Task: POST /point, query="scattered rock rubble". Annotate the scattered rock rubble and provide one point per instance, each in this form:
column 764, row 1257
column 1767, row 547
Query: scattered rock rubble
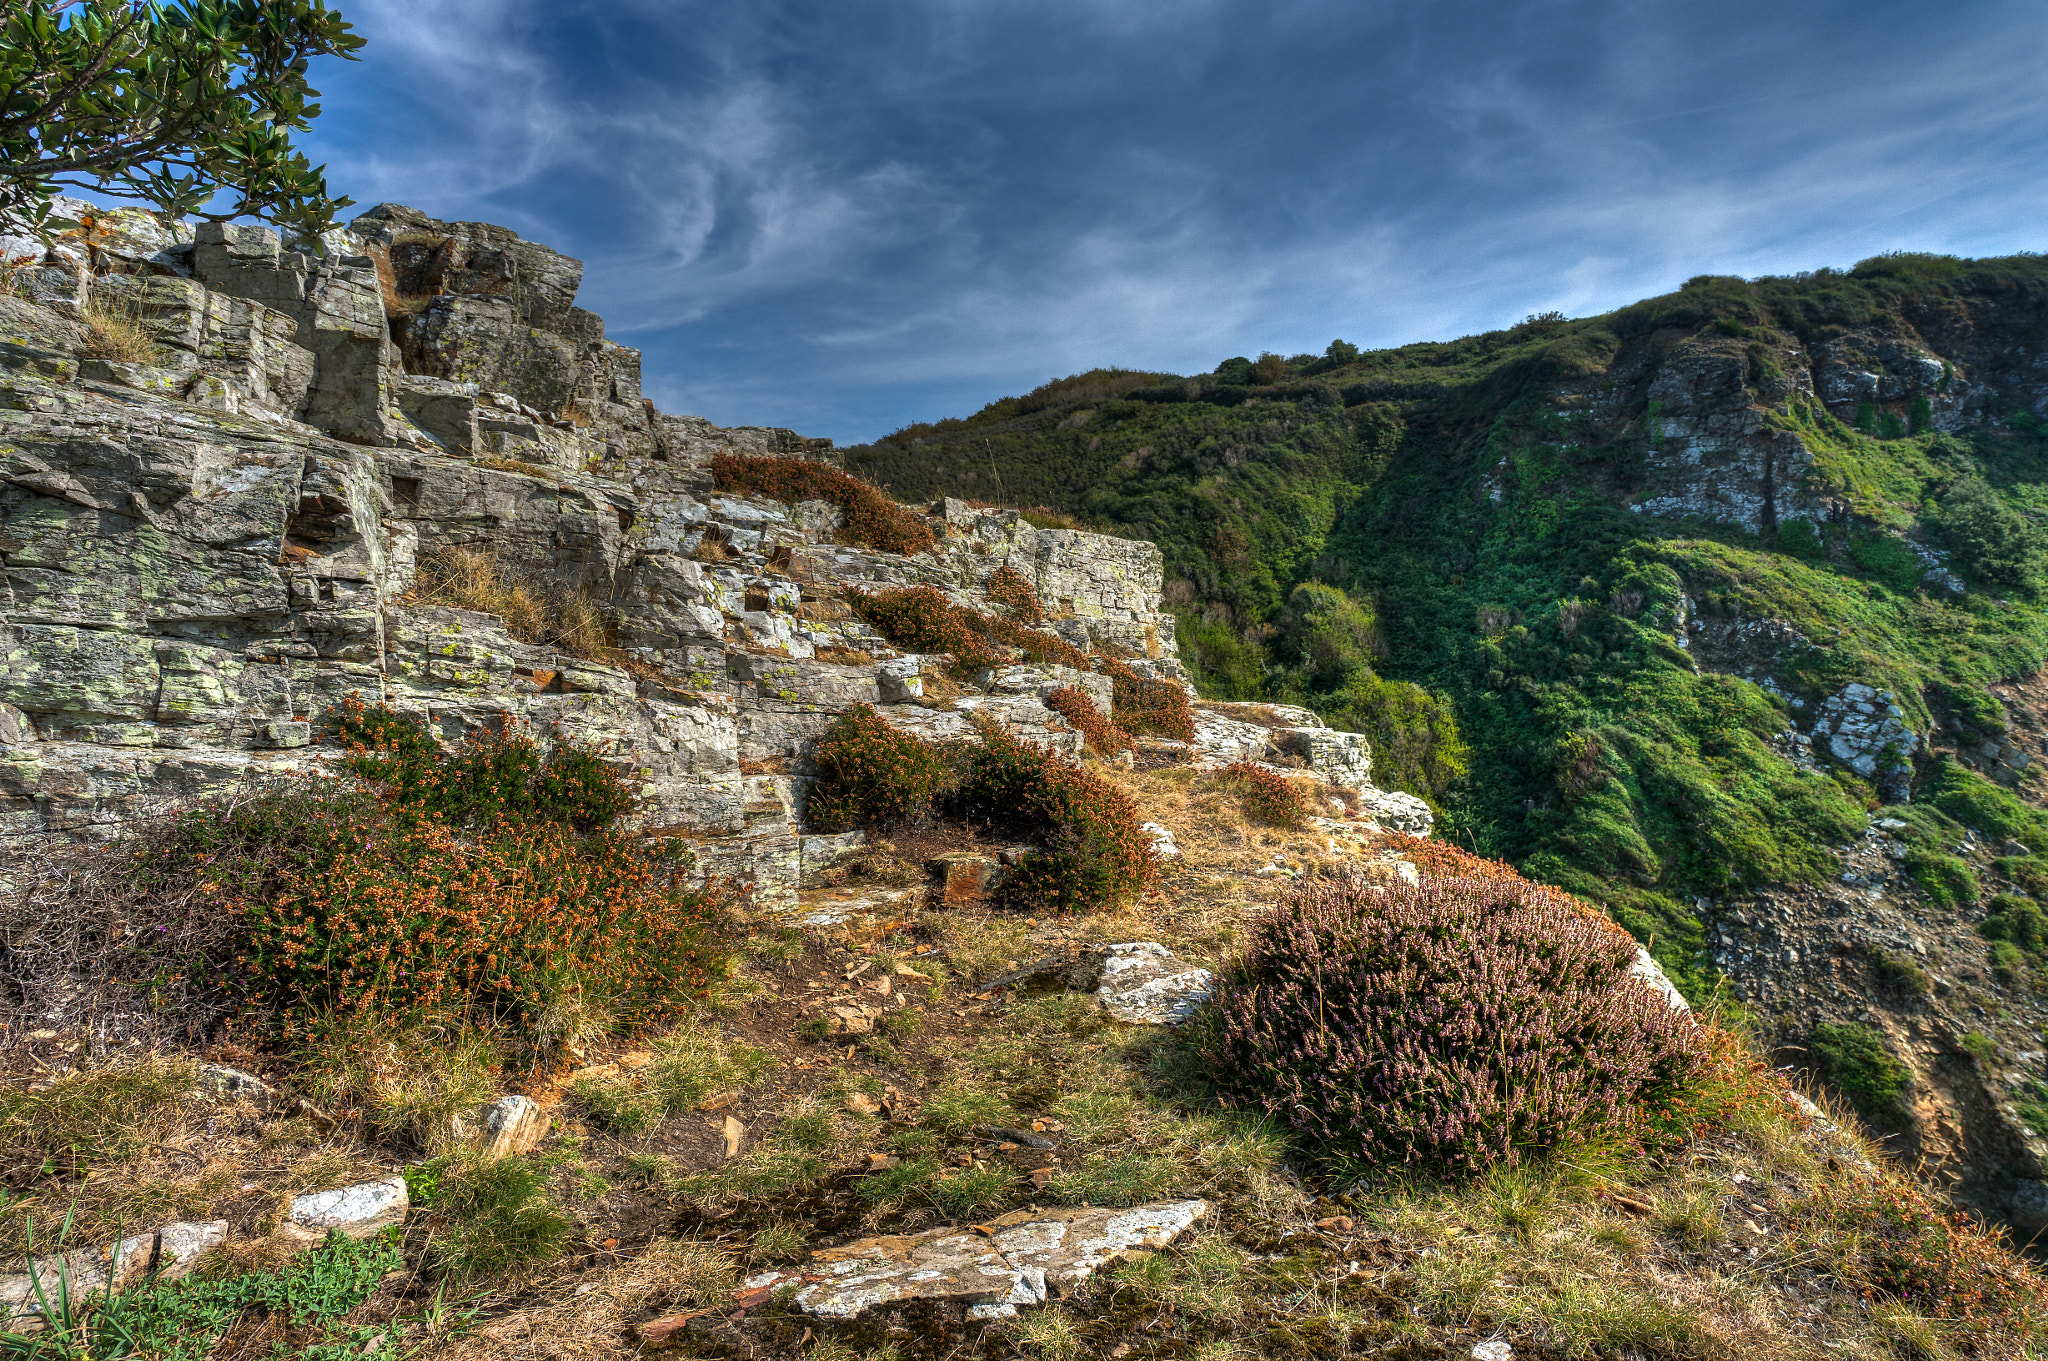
column 175, row 1250
column 1022, row 1258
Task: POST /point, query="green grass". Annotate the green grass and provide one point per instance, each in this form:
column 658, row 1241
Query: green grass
column 1853, row 1058
column 695, row 1062
column 493, row 1216
column 182, row 1320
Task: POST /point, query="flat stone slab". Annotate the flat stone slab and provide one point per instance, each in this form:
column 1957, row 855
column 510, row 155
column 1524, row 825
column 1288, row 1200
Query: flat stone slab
column 1021, row 1258
column 1144, row 983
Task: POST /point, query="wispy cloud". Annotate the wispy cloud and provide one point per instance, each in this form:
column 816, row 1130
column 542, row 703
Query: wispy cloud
column 844, row 218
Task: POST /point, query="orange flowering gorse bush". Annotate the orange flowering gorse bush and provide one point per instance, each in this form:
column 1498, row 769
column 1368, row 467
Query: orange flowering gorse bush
column 1265, row 794
column 1008, row 586
column 872, row 519
column 488, row 881
column 1101, row 735
column 922, row 619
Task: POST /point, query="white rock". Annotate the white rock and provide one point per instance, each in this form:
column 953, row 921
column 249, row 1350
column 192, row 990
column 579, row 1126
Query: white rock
column 1144, row 984
column 1022, row 1258
column 1162, row 840
column 1395, row 811
column 509, row 1125
column 359, row 1211
column 1495, row 1350
column 1646, row 968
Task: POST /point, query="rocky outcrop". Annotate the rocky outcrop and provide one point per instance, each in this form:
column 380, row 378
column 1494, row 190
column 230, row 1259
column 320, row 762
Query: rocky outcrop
column 1715, row 451
column 207, row 551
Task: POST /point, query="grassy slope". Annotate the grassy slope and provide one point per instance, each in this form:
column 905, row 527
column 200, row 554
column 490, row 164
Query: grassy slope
column 1600, row 760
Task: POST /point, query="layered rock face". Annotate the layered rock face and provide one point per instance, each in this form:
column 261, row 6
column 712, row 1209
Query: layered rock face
column 208, row 550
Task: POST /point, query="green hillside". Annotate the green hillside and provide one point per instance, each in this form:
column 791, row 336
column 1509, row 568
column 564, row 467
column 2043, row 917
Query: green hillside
column 1436, row 545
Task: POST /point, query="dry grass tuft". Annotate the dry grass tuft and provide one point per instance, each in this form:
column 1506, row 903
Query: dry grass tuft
column 114, row 331
column 553, row 616
column 409, row 1086
column 516, row 465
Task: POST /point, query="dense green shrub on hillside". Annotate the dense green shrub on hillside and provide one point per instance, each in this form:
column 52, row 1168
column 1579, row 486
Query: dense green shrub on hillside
column 1329, row 634
column 1994, row 543
column 871, row 775
column 1413, row 732
column 1447, row 1027
column 1854, row 1060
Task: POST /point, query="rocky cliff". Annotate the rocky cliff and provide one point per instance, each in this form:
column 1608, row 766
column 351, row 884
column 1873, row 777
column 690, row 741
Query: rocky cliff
column 212, row 539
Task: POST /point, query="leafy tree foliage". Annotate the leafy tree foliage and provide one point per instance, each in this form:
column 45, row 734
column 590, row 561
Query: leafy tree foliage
column 1997, row 545
column 175, row 104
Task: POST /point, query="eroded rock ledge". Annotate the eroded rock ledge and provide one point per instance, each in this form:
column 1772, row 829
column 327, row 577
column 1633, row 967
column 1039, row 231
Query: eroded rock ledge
column 208, row 547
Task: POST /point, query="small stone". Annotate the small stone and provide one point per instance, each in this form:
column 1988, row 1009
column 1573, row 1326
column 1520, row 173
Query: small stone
column 659, row 1334
column 1022, row 1258
column 860, row 1103
column 358, row 1211
column 232, row 1084
column 1495, row 1350
column 1335, row 1224
column 508, row 1126
column 180, row 1246
column 735, row 1135
column 968, row 877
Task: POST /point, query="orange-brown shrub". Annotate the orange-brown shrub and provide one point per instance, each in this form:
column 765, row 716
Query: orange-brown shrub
column 484, row 881
column 1008, row 586
column 1935, row 1260
column 922, row 619
column 1096, row 856
column 872, row 519
column 1099, row 733
column 1265, row 794
column 870, row 774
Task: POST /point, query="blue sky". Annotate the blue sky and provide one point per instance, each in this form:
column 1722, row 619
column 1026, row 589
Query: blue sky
column 843, row 217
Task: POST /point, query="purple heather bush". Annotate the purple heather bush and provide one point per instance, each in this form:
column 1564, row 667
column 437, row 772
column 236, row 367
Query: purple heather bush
column 1444, row 1027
